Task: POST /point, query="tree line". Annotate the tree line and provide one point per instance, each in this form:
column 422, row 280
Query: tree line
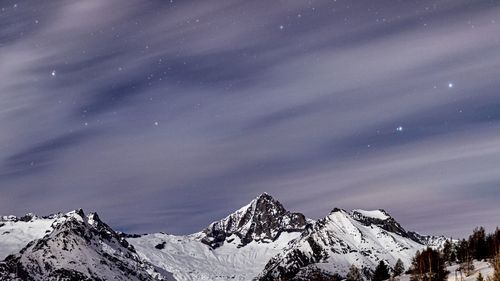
column 430, row 264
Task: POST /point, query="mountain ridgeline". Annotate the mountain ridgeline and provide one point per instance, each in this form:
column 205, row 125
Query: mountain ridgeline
column 260, row 241
column 264, row 219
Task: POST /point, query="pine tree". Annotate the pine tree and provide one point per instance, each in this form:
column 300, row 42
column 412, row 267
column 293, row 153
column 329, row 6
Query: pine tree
column 453, row 256
column 448, row 252
column 354, row 274
column 399, row 268
column 496, row 268
column 428, row 265
column 381, row 272
column 465, row 257
column 477, row 244
column 479, row 277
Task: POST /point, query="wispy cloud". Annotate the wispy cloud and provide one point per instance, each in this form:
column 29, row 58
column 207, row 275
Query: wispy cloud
column 152, row 112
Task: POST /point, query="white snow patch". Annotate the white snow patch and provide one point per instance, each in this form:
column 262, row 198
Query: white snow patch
column 376, row 214
column 189, row 259
column 15, row 235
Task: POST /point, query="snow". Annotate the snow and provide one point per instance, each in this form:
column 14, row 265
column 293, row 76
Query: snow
column 345, row 241
column 14, row 235
column 345, row 238
column 376, row 214
column 372, row 241
column 479, row 266
column 75, row 245
column 189, row 259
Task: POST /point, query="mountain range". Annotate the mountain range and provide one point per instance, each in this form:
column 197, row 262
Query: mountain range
column 260, row 241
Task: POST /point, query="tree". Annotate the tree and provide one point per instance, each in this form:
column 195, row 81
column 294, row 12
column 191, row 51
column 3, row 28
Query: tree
column 479, row 277
column 464, row 257
column 448, row 255
column 493, row 243
column 477, row 244
column 399, row 268
column 428, row 265
column 496, row 268
column 354, row 274
column 453, row 256
column 381, row 272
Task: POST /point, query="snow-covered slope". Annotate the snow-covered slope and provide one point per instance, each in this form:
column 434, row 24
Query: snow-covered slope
column 234, row 248
column 483, row 267
column 341, row 239
column 190, row 259
column 15, row 233
column 79, row 248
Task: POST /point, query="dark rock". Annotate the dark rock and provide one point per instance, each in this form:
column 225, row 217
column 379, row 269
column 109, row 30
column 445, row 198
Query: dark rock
column 264, row 219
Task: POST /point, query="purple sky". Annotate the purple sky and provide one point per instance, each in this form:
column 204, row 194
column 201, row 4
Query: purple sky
column 167, row 115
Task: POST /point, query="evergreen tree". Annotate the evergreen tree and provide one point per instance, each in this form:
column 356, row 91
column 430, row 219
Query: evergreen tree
column 493, row 243
column 447, row 252
column 399, row 268
column 354, row 274
column 477, row 244
column 381, row 272
column 496, row 268
column 453, row 256
column 464, row 256
column 428, row 265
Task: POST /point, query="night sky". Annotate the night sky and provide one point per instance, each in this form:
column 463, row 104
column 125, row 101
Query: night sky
column 167, row 115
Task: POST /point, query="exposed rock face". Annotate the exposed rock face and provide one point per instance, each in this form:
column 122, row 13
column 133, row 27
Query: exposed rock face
column 78, row 248
column 385, row 221
column 339, row 240
column 264, row 219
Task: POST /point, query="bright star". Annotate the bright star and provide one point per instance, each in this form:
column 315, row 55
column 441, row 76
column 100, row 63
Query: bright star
column 399, row 129
column 281, row 27
column 450, row 85
column 53, row 73
column 156, row 123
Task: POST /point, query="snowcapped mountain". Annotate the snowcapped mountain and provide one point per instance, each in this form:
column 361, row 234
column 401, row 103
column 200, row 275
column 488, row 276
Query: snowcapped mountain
column 264, row 219
column 78, row 248
column 261, row 240
column 234, row 248
column 334, row 243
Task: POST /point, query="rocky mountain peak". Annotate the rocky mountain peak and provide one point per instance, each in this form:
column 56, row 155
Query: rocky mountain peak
column 365, row 237
column 78, row 248
column 263, row 219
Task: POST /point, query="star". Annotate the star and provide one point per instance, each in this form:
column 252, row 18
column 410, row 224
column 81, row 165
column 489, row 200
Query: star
column 399, row 128
column 53, row 73
column 156, row 123
column 281, row 27
column 450, row 85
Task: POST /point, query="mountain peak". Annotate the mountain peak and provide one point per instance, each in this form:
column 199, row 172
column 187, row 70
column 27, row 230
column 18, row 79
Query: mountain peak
column 365, row 237
column 264, row 195
column 382, row 219
column 78, row 248
column 263, row 219
column 336, row 210
column 93, row 219
column 378, row 214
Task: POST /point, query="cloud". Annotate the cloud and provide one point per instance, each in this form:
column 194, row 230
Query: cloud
column 165, row 116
